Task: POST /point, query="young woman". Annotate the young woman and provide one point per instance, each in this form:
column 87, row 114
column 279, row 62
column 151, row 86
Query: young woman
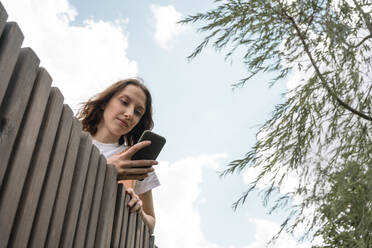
column 116, row 118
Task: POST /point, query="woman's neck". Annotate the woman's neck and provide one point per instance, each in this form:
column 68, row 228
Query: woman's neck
column 105, row 136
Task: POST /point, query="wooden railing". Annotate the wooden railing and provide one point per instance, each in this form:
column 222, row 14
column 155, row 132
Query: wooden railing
column 56, row 189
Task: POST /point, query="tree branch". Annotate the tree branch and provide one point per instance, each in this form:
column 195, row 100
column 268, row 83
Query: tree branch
column 364, row 39
column 320, row 75
column 361, row 42
column 311, row 18
column 365, row 17
column 369, row 92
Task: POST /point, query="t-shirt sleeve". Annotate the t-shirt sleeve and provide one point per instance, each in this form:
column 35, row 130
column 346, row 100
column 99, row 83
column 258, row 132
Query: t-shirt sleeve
column 147, row 184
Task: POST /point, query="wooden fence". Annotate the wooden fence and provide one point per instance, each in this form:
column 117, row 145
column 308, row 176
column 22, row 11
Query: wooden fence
column 55, row 187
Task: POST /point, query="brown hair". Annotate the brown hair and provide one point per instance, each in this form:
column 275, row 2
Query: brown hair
column 91, row 112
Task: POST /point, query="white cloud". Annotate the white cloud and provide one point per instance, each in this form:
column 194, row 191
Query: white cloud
column 176, row 201
column 82, row 60
column 265, row 230
column 177, row 216
column 166, row 27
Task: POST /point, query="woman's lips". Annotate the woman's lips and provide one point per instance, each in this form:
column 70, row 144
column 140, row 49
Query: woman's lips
column 123, row 123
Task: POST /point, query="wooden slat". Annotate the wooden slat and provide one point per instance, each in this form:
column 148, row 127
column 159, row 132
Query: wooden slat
column 146, row 237
column 106, row 212
column 86, row 204
column 60, row 204
column 77, row 187
column 10, row 46
column 125, row 221
column 140, row 238
column 143, row 234
column 152, row 241
column 97, row 196
column 3, row 17
column 47, row 198
column 139, row 234
column 14, row 106
column 22, row 153
column 131, row 230
column 118, row 218
column 38, row 167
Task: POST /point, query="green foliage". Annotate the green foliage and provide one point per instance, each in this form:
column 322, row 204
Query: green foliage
column 348, row 208
column 322, row 132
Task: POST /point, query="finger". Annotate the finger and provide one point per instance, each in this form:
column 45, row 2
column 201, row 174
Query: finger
column 133, row 197
column 137, row 207
column 124, row 151
column 140, row 176
column 132, row 177
column 130, row 192
column 137, row 171
column 134, row 170
column 135, row 148
column 132, row 202
column 139, row 163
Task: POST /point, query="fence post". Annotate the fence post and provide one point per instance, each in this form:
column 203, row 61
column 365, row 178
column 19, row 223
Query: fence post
column 39, row 163
column 50, row 186
column 106, row 213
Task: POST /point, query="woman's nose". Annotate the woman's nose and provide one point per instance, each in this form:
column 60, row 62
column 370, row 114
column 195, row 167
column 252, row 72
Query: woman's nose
column 129, row 113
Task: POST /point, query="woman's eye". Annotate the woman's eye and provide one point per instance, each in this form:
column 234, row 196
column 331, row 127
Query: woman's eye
column 138, row 113
column 123, row 102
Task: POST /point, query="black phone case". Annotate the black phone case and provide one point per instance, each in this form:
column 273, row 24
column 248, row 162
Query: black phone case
column 152, row 151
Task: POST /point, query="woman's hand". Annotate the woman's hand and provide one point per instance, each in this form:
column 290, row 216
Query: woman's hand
column 132, row 169
column 135, row 203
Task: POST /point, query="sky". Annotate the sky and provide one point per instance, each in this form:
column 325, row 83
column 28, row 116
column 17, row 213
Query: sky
column 88, row 45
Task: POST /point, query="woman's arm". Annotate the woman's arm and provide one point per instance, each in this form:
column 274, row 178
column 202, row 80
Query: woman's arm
column 144, row 205
column 148, row 212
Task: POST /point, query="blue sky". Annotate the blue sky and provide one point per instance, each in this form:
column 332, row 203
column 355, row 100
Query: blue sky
column 87, row 45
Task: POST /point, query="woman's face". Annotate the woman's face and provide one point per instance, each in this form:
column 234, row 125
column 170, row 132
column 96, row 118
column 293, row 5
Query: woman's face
column 122, row 113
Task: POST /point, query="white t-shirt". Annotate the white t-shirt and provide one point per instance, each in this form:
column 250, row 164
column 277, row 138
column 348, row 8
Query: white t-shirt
column 140, row 187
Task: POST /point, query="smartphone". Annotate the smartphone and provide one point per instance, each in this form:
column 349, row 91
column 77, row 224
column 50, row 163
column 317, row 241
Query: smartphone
column 152, row 151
